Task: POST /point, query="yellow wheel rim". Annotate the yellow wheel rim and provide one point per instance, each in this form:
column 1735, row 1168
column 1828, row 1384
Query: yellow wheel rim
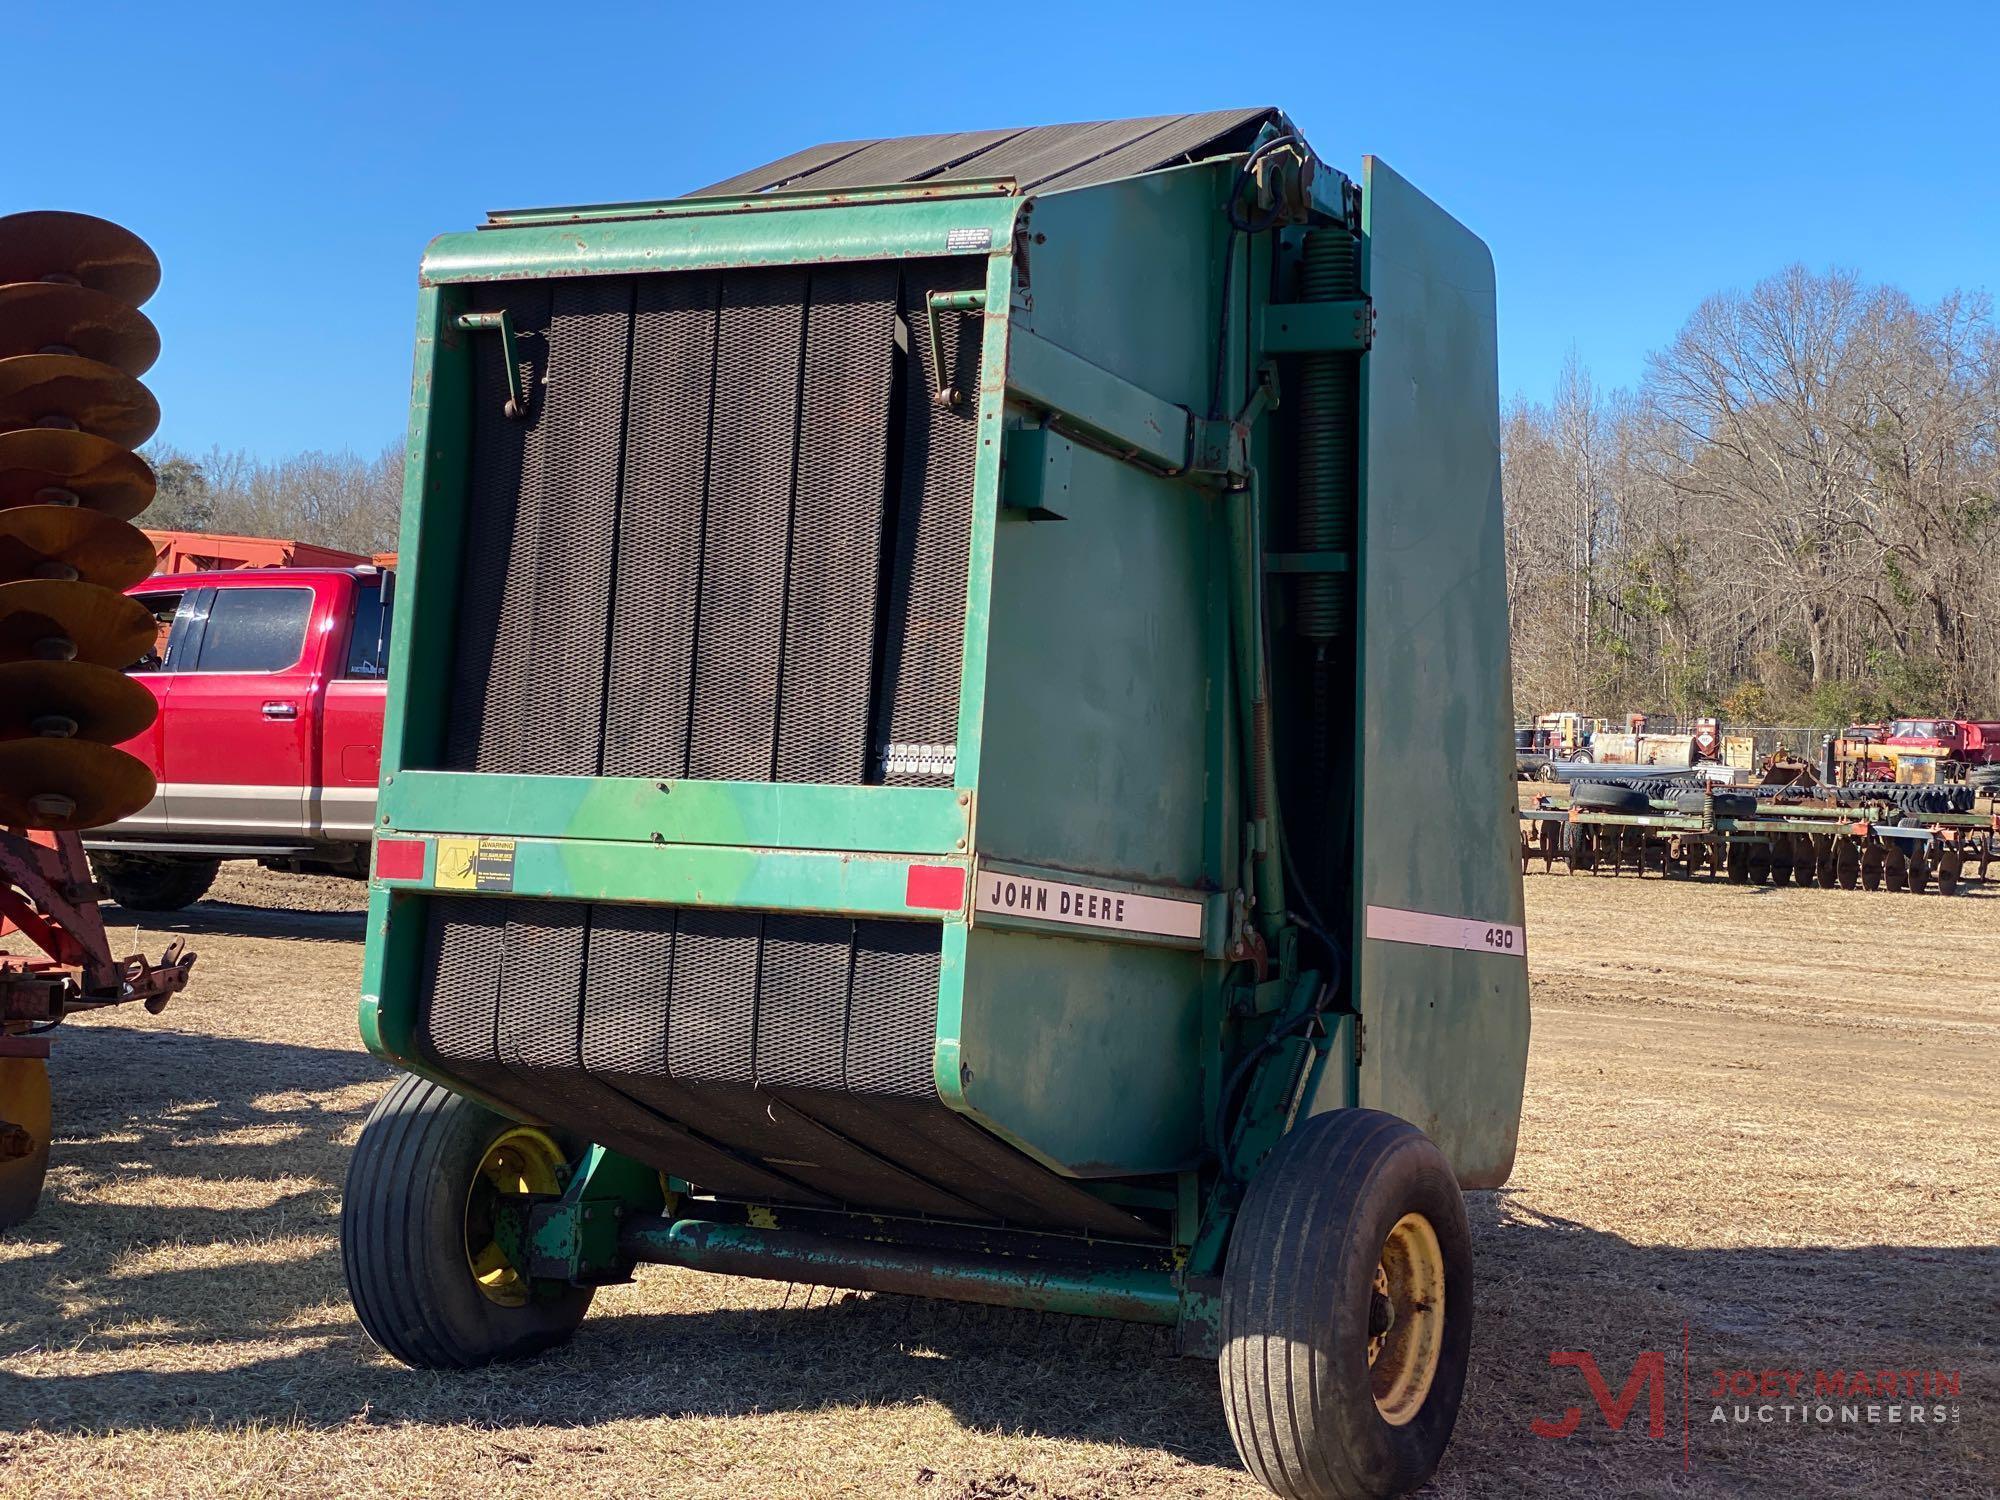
column 26, row 1122
column 1406, row 1319
column 519, row 1162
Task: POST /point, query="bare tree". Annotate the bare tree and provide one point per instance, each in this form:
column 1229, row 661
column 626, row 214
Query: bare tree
column 1797, row 514
column 331, row 499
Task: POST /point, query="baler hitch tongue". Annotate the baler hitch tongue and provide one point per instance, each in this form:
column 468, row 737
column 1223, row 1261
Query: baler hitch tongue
column 155, row 984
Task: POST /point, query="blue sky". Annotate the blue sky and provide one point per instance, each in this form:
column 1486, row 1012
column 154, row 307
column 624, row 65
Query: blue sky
column 289, row 161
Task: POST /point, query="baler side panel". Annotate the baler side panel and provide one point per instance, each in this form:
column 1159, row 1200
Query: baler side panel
column 1086, row 1055
column 1104, row 705
column 1101, row 693
column 1446, row 1029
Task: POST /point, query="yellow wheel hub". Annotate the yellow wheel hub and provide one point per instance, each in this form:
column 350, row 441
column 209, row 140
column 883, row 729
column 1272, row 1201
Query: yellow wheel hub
column 25, row 1124
column 1406, row 1319
column 520, row 1162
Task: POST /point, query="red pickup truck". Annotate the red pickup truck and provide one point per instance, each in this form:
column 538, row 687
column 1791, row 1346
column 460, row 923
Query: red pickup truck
column 268, row 744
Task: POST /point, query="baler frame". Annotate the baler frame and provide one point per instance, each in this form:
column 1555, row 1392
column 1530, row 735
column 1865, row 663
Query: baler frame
column 1306, row 966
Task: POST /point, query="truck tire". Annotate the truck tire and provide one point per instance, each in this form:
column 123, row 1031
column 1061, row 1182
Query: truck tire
column 1347, row 1310
column 425, row 1273
column 155, row 882
column 1727, row 804
column 1600, row 796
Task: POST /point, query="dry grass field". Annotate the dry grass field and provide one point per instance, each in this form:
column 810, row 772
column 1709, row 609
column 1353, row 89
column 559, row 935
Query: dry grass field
column 1766, row 1117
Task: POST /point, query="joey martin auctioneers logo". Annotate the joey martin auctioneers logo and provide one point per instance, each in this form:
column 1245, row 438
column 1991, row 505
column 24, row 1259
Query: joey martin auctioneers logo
column 1864, row 1394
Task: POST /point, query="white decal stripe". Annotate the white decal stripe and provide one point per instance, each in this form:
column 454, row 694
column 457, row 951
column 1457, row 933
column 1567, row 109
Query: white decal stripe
column 1085, row 905
column 1391, row 924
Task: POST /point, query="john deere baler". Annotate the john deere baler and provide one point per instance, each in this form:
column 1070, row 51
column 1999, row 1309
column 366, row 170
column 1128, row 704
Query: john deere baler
column 947, row 702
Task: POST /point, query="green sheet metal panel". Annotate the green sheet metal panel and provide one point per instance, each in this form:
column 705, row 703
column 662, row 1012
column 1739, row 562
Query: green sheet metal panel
column 1086, row 1055
column 1102, row 743
column 1446, row 1026
column 699, row 241
column 1097, row 680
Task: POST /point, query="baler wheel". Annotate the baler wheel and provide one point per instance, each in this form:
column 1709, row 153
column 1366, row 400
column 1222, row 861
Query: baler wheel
column 26, row 1119
column 1347, row 1310
column 433, row 1278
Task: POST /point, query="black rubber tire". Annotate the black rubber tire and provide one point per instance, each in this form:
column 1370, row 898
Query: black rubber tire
column 1598, row 797
column 1727, row 805
column 402, row 1238
column 154, row 882
column 1296, row 1295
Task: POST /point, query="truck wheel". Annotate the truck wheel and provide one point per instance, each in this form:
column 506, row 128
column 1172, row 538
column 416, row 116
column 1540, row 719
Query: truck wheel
column 143, row 882
column 432, row 1268
column 1347, row 1310
column 25, row 1122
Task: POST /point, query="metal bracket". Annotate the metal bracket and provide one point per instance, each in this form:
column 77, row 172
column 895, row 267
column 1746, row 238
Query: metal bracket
column 516, row 405
column 574, row 1238
column 1319, row 327
column 1222, row 449
column 945, row 394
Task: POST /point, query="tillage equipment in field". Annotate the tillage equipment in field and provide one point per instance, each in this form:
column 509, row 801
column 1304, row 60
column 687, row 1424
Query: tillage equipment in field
column 72, row 346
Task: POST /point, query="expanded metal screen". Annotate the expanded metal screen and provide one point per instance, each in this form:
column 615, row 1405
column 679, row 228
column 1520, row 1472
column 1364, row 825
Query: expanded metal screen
column 729, row 541
column 771, row 1057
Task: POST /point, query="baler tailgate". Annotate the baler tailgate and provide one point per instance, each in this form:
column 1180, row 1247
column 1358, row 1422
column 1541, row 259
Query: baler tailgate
column 1447, row 1029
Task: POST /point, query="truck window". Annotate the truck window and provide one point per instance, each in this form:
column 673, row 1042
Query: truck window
column 368, row 647
column 163, row 608
column 255, row 630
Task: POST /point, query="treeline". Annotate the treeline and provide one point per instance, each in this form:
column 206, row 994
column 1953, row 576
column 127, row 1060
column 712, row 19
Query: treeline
column 1794, row 519
column 332, row 499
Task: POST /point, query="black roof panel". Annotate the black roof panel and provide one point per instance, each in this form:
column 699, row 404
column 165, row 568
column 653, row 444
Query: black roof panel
column 1040, row 158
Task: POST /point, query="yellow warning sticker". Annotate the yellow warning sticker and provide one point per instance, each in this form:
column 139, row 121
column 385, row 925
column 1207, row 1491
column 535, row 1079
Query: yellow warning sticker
column 481, row 864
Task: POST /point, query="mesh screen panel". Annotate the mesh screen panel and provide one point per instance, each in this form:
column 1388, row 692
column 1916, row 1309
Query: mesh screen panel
column 830, row 613
column 925, row 607
column 782, row 1058
column 730, row 539
column 753, row 438
column 660, row 518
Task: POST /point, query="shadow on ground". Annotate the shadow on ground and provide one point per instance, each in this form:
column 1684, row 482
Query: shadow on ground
column 185, row 1266
column 230, row 919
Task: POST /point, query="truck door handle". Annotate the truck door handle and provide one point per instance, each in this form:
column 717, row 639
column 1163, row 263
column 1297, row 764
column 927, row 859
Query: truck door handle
column 279, row 709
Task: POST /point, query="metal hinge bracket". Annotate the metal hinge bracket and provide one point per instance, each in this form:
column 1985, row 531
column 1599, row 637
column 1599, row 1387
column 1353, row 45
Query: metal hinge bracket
column 516, row 405
column 936, row 305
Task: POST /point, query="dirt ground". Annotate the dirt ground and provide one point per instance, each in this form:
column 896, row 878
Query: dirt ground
column 1762, row 1117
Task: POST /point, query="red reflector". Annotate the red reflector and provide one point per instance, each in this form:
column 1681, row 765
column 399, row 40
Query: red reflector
column 935, row 887
column 399, row 859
